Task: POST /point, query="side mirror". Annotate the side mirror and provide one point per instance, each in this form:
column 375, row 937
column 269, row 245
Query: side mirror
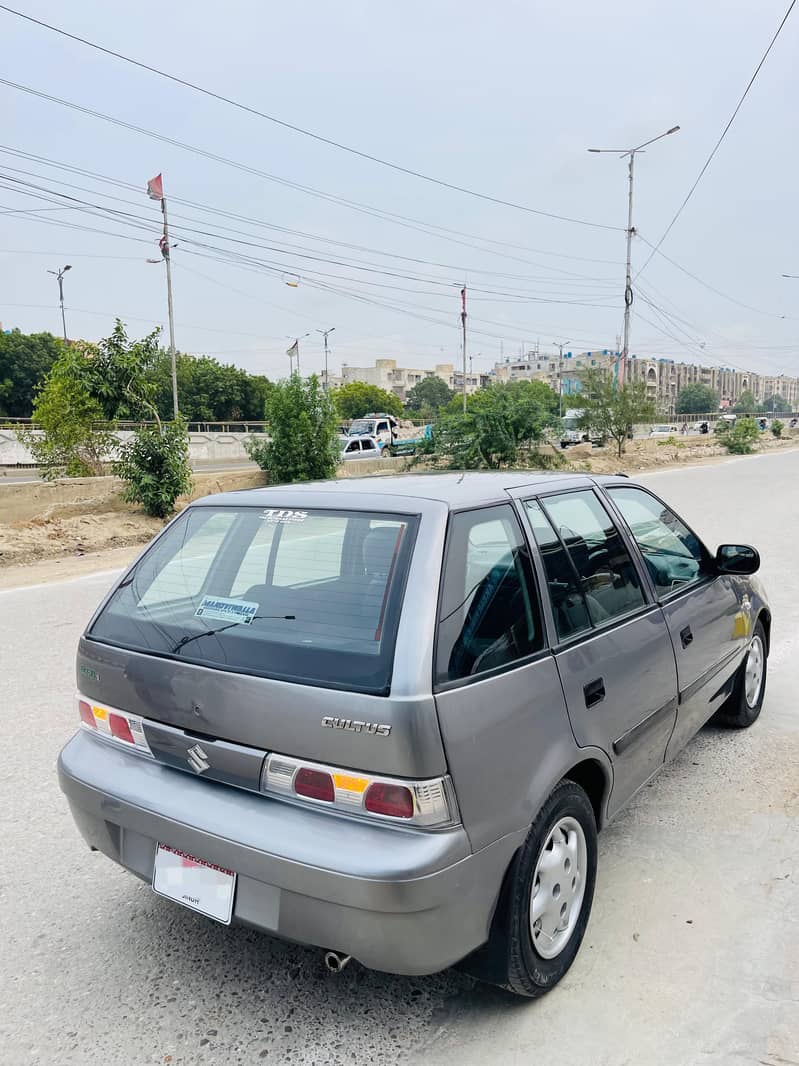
column 737, row 559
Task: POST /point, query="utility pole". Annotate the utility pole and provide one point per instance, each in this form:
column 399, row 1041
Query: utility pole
column 155, row 190
column 629, row 153
column 325, row 333
column 294, row 351
column 463, row 328
column 561, row 345
column 59, row 274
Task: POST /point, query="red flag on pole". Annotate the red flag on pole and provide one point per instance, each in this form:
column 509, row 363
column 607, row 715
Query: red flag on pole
column 155, row 188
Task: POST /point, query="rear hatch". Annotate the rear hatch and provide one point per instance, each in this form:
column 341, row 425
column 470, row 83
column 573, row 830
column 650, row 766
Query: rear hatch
column 246, row 630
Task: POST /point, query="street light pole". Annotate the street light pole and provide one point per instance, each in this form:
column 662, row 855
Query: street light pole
column 325, row 333
column 463, row 328
column 561, row 345
column 59, row 275
column 628, row 283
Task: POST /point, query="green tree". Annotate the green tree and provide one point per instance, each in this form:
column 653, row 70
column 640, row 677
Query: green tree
column 613, row 411
column 697, row 399
column 67, row 442
column 154, row 464
column 25, row 361
column 776, row 404
column 738, row 437
column 429, row 396
column 356, row 399
column 747, row 404
column 303, row 424
column 503, row 425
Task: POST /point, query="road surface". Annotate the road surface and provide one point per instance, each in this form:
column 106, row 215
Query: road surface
column 691, row 956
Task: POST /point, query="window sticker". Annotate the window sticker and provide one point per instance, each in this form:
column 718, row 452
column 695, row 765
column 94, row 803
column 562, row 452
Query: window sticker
column 225, row 610
column 273, row 515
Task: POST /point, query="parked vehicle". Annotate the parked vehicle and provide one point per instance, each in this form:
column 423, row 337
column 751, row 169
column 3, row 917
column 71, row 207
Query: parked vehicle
column 663, row 431
column 387, row 717
column 410, row 445
column 363, row 448
column 572, row 433
column 381, row 426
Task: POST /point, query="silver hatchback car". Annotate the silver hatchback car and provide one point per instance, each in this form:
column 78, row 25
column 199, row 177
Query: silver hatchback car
column 386, row 717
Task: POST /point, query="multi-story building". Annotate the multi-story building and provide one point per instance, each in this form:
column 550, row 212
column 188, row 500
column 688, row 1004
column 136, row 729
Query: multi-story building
column 563, row 375
column 400, row 380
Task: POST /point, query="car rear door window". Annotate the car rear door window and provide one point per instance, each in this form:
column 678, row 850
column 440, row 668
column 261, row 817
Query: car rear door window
column 604, row 570
column 565, row 594
column 674, row 556
column 489, row 616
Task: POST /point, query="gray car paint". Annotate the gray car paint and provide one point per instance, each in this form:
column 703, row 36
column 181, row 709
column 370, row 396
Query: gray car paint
column 399, row 899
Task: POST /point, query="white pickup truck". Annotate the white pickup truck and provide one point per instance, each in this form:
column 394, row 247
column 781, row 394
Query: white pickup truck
column 381, row 426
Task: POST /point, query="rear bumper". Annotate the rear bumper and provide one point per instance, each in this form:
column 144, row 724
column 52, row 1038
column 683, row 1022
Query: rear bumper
column 402, row 901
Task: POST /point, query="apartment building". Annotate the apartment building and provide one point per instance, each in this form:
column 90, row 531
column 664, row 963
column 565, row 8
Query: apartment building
column 400, row 380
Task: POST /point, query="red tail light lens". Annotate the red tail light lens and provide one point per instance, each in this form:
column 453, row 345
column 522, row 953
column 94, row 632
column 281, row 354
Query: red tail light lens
column 315, row 784
column 119, row 728
column 393, row 800
column 86, row 715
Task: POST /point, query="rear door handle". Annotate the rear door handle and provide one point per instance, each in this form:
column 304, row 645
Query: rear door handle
column 686, row 636
column 594, row 692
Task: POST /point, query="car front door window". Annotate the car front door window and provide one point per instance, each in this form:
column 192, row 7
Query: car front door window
column 674, row 556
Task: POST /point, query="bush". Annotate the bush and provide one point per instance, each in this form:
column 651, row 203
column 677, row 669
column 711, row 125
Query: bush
column 739, row 437
column 301, row 445
column 777, row 427
column 154, row 463
column 70, row 446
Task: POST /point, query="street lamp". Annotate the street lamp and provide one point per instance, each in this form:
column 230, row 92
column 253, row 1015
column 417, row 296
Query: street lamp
column 325, row 333
column 561, row 345
column 628, row 287
column 59, row 274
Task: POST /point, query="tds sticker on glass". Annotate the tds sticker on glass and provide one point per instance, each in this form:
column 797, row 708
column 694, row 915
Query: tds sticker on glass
column 224, row 610
column 273, row 515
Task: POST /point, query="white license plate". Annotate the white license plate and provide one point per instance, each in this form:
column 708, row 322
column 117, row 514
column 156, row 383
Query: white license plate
column 196, row 884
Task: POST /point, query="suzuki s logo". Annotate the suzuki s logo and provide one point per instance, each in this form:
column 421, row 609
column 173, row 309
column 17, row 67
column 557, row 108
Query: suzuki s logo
column 198, row 760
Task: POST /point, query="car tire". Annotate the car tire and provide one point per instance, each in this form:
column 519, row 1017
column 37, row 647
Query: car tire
column 743, row 707
column 563, row 838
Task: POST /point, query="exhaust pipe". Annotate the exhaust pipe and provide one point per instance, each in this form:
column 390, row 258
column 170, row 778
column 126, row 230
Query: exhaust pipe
column 335, row 961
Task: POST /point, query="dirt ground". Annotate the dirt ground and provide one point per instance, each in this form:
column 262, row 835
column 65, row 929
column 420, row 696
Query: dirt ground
column 72, row 537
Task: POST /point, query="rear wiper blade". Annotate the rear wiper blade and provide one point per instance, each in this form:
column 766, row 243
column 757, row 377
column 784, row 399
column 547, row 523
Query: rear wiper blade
column 212, row 632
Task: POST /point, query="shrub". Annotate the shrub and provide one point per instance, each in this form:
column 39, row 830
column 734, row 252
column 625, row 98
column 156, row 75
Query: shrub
column 739, row 438
column 154, row 463
column 71, row 446
column 777, row 427
column 301, row 445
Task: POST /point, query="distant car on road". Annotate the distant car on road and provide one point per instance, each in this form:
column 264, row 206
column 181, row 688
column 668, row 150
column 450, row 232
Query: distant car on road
column 663, row 431
column 387, row 716
column 363, row 448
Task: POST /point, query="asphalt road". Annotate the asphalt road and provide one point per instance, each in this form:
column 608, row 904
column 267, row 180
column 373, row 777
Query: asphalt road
column 691, row 956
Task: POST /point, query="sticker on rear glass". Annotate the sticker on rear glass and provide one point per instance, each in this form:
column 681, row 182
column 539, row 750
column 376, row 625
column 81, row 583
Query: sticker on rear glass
column 224, row 610
column 273, row 515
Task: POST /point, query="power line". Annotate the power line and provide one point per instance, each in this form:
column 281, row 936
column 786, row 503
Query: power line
column 724, row 132
column 298, row 129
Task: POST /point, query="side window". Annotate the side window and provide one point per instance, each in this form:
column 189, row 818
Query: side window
column 368, row 445
column 673, row 554
column 489, row 615
column 353, row 446
column 607, row 576
column 565, row 594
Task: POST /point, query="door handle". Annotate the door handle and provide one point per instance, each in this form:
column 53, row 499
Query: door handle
column 686, row 636
column 594, row 692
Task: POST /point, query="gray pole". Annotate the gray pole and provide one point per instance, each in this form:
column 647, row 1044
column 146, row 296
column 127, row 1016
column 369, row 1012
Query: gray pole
column 325, row 333
column 61, row 298
column 463, row 327
column 628, row 287
column 166, row 254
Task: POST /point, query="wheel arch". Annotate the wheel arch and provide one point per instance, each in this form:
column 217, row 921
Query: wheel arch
column 764, row 617
column 594, row 779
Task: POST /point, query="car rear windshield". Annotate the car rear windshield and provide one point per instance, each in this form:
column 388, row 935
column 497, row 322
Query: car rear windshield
column 311, row 596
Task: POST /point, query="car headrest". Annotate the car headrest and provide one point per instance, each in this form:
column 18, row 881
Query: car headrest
column 379, row 546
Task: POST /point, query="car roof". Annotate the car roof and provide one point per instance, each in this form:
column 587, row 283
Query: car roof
column 456, row 490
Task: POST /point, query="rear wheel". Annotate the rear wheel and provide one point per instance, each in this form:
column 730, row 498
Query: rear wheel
column 743, row 707
column 551, row 892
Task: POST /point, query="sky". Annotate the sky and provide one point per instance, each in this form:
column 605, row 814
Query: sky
column 503, row 99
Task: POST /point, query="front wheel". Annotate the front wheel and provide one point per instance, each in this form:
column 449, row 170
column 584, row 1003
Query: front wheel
column 551, row 891
column 743, row 707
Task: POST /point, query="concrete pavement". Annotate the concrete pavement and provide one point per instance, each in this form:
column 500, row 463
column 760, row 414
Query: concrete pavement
column 691, row 955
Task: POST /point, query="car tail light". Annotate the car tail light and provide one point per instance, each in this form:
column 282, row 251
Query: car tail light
column 314, row 784
column 394, row 800
column 86, row 714
column 118, row 726
column 427, row 804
